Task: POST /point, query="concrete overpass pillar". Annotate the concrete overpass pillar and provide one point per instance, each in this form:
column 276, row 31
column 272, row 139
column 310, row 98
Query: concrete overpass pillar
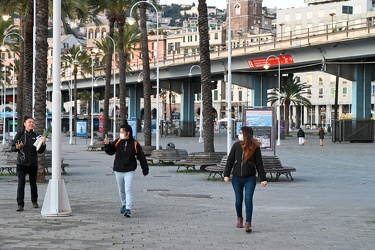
column 261, row 85
column 187, row 108
column 361, row 89
column 134, row 105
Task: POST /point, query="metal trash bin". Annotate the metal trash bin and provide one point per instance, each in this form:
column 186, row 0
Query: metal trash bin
column 170, row 145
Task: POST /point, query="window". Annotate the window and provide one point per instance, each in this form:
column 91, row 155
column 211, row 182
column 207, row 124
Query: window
column 320, row 79
column 321, row 13
column 332, row 92
column 237, row 10
column 344, row 91
column 373, row 90
column 255, row 9
column 216, row 36
column 240, row 96
column 309, row 91
column 216, row 95
column 309, row 80
column 321, row 92
column 309, row 15
column 298, row 16
column 91, row 34
column 332, row 80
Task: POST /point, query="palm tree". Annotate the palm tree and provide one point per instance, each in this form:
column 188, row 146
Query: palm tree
column 146, row 75
column 76, row 57
column 290, row 93
column 41, row 76
column 85, row 97
column 205, row 64
column 131, row 36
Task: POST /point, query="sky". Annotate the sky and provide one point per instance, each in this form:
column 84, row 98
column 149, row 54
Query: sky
column 221, row 4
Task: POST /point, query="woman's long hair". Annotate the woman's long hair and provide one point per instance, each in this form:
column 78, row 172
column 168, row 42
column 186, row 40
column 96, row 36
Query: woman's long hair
column 249, row 143
column 22, row 129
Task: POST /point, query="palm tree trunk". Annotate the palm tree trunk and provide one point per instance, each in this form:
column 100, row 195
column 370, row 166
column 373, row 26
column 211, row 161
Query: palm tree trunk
column 28, row 70
column 205, row 63
column 286, row 118
column 122, row 66
column 108, row 70
column 146, row 76
column 41, row 76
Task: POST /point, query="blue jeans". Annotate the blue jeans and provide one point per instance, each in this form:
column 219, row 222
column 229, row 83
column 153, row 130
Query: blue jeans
column 125, row 188
column 239, row 184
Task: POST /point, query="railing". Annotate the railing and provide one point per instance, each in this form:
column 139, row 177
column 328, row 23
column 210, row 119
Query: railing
column 352, row 30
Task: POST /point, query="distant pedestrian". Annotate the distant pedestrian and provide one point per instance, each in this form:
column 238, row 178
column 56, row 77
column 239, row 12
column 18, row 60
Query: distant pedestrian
column 244, row 160
column 127, row 152
column 27, row 161
column 301, row 137
column 321, row 134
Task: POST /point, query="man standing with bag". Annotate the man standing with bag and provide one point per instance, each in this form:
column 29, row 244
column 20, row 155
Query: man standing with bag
column 301, row 137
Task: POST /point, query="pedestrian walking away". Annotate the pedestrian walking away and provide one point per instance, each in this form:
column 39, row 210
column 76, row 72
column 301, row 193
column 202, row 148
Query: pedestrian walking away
column 301, row 137
column 27, row 161
column 321, row 134
column 244, row 160
column 127, row 151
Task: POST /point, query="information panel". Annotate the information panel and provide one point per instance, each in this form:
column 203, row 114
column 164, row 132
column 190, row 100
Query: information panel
column 261, row 121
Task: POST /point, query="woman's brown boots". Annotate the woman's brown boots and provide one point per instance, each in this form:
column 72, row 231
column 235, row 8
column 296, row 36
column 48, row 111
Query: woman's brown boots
column 240, row 222
column 248, row 227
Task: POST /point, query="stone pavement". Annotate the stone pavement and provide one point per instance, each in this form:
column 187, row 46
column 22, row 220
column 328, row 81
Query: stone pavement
column 329, row 205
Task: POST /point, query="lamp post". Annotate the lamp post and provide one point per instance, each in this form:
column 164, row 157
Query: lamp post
column 332, row 15
column 76, row 63
column 114, row 82
column 267, row 66
column 3, row 48
column 281, row 31
column 229, row 85
column 201, row 108
column 4, row 97
column 92, row 98
column 130, row 21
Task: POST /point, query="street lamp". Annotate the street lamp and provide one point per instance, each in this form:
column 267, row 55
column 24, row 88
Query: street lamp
column 92, row 97
column 114, row 81
column 4, row 97
column 201, row 108
column 139, row 77
column 332, row 15
column 131, row 21
column 76, row 63
column 267, row 66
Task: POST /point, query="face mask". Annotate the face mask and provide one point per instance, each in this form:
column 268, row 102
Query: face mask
column 240, row 137
column 122, row 136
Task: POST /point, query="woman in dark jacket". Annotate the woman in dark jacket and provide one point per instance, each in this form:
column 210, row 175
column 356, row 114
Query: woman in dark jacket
column 27, row 161
column 125, row 163
column 244, row 160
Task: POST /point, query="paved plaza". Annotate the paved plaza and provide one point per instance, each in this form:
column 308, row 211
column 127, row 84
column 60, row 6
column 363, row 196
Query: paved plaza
column 329, row 205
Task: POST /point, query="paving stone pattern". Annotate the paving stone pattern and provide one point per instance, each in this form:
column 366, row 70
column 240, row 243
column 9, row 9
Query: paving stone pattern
column 329, row 205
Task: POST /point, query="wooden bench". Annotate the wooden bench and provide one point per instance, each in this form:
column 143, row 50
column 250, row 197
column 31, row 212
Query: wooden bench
column 48, row 162
column 167, row 155
column 218, row 169
column 271, row 164
column 98, row 145
column 201, row 159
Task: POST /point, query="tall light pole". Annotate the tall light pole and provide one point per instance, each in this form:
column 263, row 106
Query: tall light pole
column 75, row 64
column 229, row 85
column 201, row 108
column 70, row 109
column 114, row 82
column 130, row 21
column 3, row 48
column 267, row 66
column 92, row 99
column 4, row 97
column 56, row 201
